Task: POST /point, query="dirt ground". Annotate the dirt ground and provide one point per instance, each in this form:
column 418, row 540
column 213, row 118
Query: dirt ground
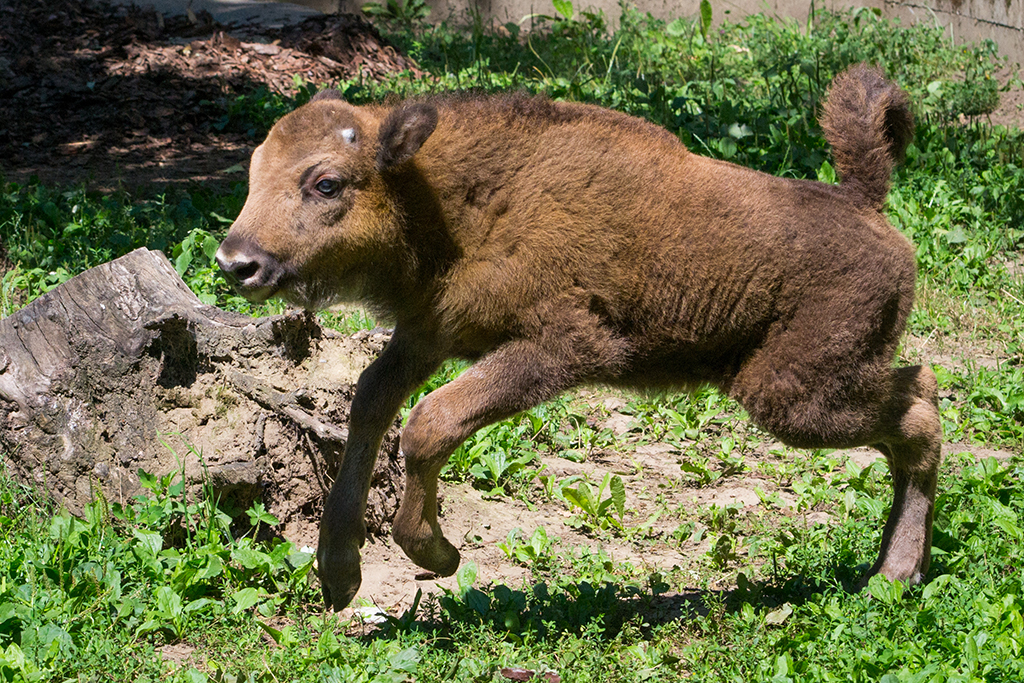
column 116, row 97
column 476, row 523
column 1010, row 111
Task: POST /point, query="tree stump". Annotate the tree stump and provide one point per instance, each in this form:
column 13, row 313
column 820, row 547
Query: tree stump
column 122, row 368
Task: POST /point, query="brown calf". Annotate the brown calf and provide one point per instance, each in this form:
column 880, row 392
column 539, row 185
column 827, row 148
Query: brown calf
column 559, row 244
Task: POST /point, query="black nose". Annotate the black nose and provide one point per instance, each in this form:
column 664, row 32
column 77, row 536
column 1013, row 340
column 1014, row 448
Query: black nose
column 246, row 264
column 238, row 267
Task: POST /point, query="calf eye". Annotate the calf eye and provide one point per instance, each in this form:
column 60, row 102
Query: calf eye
column 328, row 187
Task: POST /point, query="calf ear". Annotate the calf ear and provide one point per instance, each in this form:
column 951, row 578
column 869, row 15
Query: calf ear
column 404, row 130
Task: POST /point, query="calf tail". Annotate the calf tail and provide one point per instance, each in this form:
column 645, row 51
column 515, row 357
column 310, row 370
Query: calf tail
column 868, row 123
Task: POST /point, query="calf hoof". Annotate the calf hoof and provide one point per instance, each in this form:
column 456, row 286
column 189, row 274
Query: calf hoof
column 911, row 572
column 434, row 553
column 340, row 575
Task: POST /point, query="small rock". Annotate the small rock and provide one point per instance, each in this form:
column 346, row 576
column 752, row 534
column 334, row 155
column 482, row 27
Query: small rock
column 613, row 404
column 819, row 518
column 371, row 614
column 619, row 424
column 234, row 477
column 729, row 496
column 864, row 456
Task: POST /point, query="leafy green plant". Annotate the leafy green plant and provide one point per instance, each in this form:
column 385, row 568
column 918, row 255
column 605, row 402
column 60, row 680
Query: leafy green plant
column 52, row 235
column 572, row 436
column 160, row 568
column 491, row 462
column 254, row 113
column 698, row 468
column 198, row 243
column 705, row 18
column 686, row 419
column 169, row 613
column 537, row 551
column 595, row 509
column 405, row 13
column 258, row 515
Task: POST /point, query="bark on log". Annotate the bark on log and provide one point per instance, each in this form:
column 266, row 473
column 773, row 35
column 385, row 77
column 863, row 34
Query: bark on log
column 122, row 368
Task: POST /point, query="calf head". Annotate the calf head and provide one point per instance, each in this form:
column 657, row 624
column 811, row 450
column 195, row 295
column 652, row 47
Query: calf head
column 319, row 212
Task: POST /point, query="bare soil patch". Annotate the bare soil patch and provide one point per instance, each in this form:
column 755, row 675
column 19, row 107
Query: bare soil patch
column 475, row 522
column 1010, row 111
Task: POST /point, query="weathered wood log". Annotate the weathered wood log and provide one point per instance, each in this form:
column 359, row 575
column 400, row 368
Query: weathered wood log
column 122, row 368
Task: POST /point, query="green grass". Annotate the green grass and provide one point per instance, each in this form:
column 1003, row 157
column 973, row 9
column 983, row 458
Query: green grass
column 759, row 594
column 96, row 598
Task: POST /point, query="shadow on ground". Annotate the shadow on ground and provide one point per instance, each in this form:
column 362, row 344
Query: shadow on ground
column 600, row 610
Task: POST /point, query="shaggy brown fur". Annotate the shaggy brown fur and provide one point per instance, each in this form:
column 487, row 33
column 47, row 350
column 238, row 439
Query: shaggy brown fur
column 559, row 244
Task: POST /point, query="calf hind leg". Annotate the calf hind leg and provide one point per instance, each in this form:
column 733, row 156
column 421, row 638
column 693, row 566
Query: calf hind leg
column 913, row 450
column 896, row 413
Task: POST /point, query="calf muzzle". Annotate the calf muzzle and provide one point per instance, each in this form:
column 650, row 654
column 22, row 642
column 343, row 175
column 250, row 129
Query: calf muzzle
column 252, row 271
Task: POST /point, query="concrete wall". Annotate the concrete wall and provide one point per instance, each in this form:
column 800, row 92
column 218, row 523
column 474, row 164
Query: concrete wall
column 502, row 11
column 967, row 20
column 516, row 10
column 971, row 20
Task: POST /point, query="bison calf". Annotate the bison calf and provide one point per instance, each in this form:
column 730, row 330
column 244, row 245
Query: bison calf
column 559, row 244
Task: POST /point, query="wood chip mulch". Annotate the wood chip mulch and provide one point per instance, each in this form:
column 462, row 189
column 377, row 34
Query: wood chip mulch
column 123, row 97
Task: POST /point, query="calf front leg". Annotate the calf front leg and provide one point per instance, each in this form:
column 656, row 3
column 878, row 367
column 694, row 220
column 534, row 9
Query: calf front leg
column 514, row 378
column 379, row 393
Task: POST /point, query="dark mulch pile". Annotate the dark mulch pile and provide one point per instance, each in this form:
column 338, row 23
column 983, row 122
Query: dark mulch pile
column 113, row 96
